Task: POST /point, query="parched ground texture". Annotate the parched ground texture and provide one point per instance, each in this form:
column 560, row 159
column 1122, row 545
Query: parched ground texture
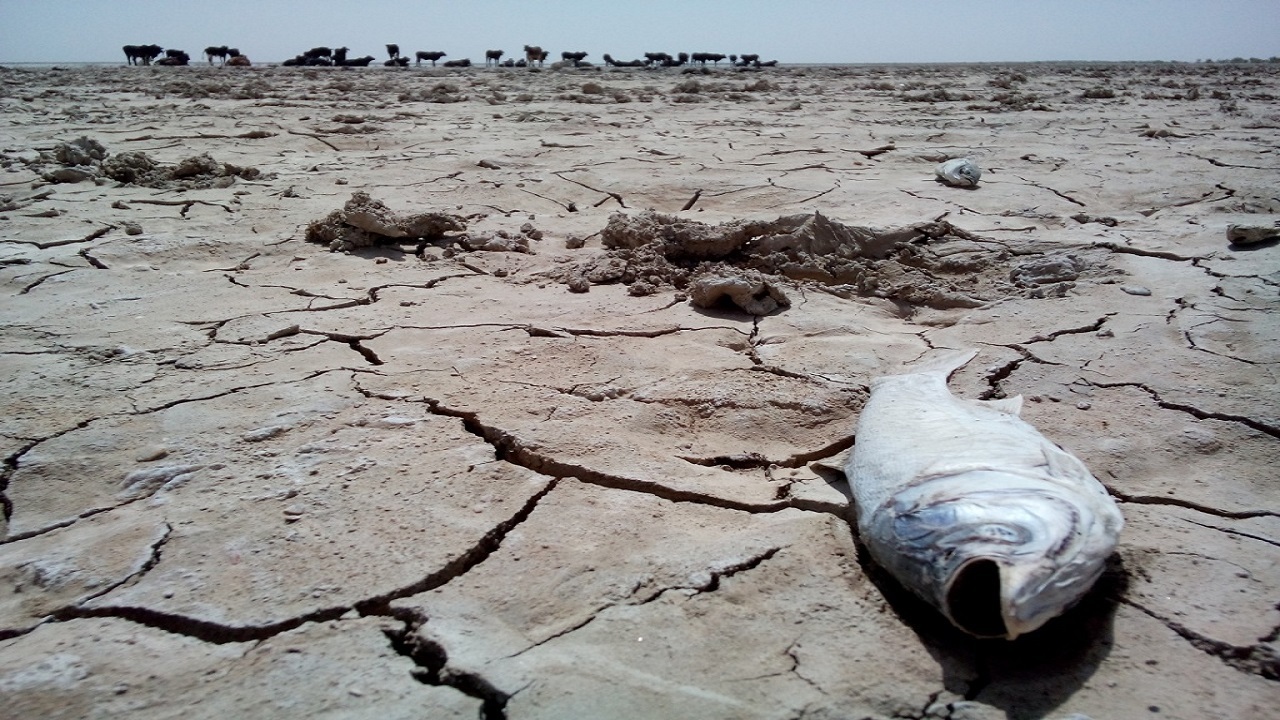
column 539, row 462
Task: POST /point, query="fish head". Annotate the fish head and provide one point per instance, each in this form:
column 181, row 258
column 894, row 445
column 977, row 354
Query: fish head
column 997, row 555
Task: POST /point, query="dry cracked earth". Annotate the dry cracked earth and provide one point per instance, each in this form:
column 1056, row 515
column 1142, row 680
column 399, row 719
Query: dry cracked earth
column 247, row 476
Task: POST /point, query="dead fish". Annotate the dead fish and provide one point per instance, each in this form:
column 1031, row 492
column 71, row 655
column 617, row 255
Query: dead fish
column 971, row 508
column 960, row 172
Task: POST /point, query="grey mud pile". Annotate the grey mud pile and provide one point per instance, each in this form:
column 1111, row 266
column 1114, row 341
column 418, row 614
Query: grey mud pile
column 934, row 264
column 522, row 394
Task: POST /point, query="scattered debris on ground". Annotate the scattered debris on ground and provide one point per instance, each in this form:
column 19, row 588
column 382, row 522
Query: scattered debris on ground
column 87, row 159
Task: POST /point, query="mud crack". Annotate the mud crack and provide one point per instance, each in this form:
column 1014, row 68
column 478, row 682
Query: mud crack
column 703, row 582
column 433, row 668
column 379, row 605
column 1257, row 659
column 1195, row 412
column 512, row 449
column 1187, row 504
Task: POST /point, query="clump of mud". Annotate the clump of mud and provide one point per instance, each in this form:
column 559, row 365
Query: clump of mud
column 932, row 264
column 87, row 159
column 364, row 221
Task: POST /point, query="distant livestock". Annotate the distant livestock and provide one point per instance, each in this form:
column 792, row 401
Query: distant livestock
column 222, row 52
column 432, row 55
column 665, row 60
column 142, row 54
column 398, row 61
column 494, row 55
column 703, row 58
column 534, row 54
column 393, row 51
column 239, row 60
column 464, row 62
column 174, row 58
column 573, row 57
column 608, row 60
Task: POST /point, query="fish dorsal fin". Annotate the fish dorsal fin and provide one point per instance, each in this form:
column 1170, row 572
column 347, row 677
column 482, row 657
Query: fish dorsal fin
column 944, row 363
column 1063, row 464
column 1011, row 405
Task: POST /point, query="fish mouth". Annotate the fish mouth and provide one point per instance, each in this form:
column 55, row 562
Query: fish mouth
column 974, row 601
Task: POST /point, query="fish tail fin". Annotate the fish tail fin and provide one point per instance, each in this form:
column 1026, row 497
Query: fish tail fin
column 944, row 363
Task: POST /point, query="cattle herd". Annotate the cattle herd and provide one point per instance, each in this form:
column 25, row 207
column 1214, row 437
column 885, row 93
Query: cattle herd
column 533, row 57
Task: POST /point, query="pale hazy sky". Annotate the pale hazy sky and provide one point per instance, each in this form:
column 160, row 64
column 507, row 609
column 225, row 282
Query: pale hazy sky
column 791, row 31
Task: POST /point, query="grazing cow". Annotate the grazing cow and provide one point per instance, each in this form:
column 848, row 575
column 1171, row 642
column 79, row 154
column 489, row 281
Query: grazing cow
column 665, row 60
column 464, row 62
column 141, row 54
column 217, row 51
column 608, row 60
column 393, row 51
column 534, row 54
column 432, row 55
column 574, row 57
column 494, row 55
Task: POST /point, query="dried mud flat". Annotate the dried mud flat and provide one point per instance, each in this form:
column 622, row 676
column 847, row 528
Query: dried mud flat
column 505, row 467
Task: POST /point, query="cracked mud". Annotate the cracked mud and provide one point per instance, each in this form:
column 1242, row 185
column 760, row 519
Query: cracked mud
column 529, row 406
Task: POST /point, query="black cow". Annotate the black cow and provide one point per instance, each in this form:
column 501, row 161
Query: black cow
column 142, row 54
column 432, row 55
column 398, row 61
column 608, row 60
column 494, row 55
column 174, row 58
column 464, row 62
column 574, row 57
column 393, row 51
column 218, row 51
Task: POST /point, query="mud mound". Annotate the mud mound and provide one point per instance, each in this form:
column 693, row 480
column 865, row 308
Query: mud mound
column 87, row 159
column 934, row 264
column 364, row 221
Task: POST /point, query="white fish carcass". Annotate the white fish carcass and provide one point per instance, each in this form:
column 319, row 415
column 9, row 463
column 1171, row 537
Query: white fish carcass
column 971, row 508
column 960, row 172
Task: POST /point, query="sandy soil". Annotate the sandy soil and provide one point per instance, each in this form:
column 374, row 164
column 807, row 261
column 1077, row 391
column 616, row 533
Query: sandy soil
column 506, row 453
